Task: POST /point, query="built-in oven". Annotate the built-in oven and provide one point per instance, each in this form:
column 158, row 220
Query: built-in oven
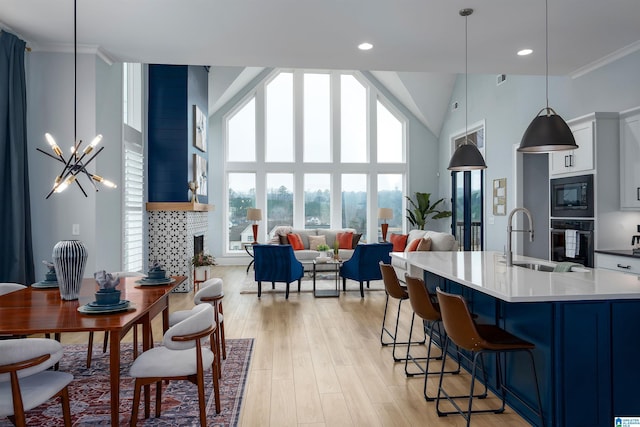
column 572, row 240
column 572, row 197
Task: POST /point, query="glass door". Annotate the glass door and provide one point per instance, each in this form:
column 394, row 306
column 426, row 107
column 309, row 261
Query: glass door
column 467, row 209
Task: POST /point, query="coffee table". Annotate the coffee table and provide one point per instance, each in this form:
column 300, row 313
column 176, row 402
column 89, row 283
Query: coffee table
column 334, row 267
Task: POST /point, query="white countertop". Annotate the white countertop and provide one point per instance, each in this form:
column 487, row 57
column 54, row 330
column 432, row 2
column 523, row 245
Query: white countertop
column 486, row 272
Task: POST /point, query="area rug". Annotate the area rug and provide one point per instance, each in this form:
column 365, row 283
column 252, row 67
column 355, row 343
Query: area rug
column 90, row 396
column 325, row 280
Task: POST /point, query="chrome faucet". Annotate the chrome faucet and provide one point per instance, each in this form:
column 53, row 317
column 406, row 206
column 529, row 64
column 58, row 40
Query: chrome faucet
column 510, row 230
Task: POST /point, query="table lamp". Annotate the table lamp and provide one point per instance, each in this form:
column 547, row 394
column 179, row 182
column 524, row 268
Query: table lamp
column 385, row 214
column 254, row 214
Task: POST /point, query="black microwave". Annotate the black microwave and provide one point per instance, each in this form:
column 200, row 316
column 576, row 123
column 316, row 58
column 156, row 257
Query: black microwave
column 572, row 196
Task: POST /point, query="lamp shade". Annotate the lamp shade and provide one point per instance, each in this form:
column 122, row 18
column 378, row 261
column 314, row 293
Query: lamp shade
column 254, row 214
column 385, row 213
column 548, row 132
column 467, row 157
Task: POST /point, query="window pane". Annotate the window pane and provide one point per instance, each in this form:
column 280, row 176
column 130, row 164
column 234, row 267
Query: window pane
column 354, row 203
column 353, row 119
column 317, row 200
column 279, row 200
column 317, row 118
column 390, row 193
column 279, row 121
column 241, row 141
column 242, row 195
column 389, row 136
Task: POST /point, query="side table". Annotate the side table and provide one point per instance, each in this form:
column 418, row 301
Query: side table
column 335, row 268
column 248, row 248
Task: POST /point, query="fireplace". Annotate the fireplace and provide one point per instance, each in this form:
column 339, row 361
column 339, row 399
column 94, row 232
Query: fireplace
column 198, row 244
column 175, row 236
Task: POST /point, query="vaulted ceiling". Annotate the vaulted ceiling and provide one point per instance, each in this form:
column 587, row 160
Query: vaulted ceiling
column 418, row 48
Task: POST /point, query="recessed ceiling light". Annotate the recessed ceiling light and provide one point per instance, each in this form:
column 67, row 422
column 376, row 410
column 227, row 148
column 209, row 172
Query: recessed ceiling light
column 525, row 52
column 365, row 46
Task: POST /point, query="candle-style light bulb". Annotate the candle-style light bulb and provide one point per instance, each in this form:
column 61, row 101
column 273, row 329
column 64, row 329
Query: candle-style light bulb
column 65, row 184
column 103, row 181
column 53, row 144
column 93, row 144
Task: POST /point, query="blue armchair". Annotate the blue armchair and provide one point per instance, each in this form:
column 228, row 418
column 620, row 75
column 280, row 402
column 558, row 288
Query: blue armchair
column 276, row 263
column 364, row 266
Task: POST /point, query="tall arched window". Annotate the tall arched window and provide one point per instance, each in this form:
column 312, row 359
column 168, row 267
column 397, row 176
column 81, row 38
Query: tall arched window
column 313, row 149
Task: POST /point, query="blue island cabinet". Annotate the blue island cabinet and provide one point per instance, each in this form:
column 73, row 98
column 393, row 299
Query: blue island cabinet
column 587, row 355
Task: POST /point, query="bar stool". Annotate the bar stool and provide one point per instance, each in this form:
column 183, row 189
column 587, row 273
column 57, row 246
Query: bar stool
column 479, row 339
column 395, row 290
column 423, row 305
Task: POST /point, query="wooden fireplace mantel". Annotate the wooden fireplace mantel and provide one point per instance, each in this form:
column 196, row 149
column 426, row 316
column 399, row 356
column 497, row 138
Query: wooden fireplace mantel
column 179, row 206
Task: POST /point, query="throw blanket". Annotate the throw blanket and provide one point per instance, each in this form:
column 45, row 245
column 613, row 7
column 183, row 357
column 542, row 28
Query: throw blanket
column 563, row 267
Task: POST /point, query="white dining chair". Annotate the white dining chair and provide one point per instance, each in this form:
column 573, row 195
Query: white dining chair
column 182, row 357
column 7, row 288
column 26, row 382
column 210, row 292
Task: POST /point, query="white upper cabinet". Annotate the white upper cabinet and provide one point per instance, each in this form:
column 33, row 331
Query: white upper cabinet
column 580, row 159
column 630, row 159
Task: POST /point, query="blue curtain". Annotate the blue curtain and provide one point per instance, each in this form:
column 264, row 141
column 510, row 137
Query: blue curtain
column 16, row 252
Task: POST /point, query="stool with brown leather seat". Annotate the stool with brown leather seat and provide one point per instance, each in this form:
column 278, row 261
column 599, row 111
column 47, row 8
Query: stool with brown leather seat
column 394, row 290
column 424, row 306
column 479, row 339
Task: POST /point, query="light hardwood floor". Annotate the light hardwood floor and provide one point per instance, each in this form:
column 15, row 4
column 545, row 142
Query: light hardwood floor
column 319, row 362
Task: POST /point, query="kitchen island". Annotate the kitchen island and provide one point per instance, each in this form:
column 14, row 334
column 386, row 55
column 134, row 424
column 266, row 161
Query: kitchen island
column 585, row 325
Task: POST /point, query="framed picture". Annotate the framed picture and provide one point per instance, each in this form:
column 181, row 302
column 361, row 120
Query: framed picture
column 199, row 129
column 500, row 196
column 200, row 174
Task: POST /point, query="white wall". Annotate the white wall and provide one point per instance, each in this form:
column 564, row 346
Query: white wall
column 50, row 109
column 509, row 108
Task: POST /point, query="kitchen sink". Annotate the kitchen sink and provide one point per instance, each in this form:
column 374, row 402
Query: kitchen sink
column 547, row 268
column 534, row 266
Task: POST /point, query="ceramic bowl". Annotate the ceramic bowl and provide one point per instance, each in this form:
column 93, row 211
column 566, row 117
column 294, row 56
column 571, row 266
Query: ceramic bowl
column 109, row 297
column 157, row 274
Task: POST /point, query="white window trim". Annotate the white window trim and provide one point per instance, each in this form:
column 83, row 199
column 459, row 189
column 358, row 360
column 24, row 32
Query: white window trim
column 298, row 168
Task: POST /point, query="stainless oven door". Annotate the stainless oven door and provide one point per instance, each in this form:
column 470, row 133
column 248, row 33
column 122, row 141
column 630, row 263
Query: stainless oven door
column 584, row 248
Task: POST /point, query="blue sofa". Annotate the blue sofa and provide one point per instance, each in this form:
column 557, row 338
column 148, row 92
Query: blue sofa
column 276, row 263
column 363, row 266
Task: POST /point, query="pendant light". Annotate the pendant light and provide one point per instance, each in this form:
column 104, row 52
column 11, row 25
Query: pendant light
column 75, row 165
column 467, row 156
column 547, row 132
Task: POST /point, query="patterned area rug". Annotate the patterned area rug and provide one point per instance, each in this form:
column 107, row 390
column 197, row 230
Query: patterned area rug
column 324, row 280
column 90, row 397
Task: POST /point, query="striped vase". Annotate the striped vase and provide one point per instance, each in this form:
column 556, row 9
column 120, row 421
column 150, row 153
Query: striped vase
column 69, row 259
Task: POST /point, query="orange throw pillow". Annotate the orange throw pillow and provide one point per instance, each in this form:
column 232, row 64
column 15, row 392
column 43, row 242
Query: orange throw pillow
column 399, row 242
column 413, row 246
column 295, row 241
column 345, row 240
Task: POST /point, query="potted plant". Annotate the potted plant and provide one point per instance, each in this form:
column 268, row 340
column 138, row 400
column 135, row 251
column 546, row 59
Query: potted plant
column 324, row 249
column 421, row 210
column 336, row 249
column 202, row 262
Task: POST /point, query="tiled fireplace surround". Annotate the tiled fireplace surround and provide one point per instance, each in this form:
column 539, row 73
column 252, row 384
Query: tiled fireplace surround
column 171, row 240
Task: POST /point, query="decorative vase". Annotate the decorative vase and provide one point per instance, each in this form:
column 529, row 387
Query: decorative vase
column 69, row 259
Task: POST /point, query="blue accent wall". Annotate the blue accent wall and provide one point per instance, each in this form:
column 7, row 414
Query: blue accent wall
column 173, row 90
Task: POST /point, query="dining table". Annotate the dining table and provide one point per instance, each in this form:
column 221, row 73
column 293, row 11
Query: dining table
column 42, row 310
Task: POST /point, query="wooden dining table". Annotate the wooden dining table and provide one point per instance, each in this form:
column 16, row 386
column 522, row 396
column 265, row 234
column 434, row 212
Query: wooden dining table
column 36, row 310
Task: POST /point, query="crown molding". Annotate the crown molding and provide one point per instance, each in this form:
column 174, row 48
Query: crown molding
column 605, row 60
column 83, row 49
